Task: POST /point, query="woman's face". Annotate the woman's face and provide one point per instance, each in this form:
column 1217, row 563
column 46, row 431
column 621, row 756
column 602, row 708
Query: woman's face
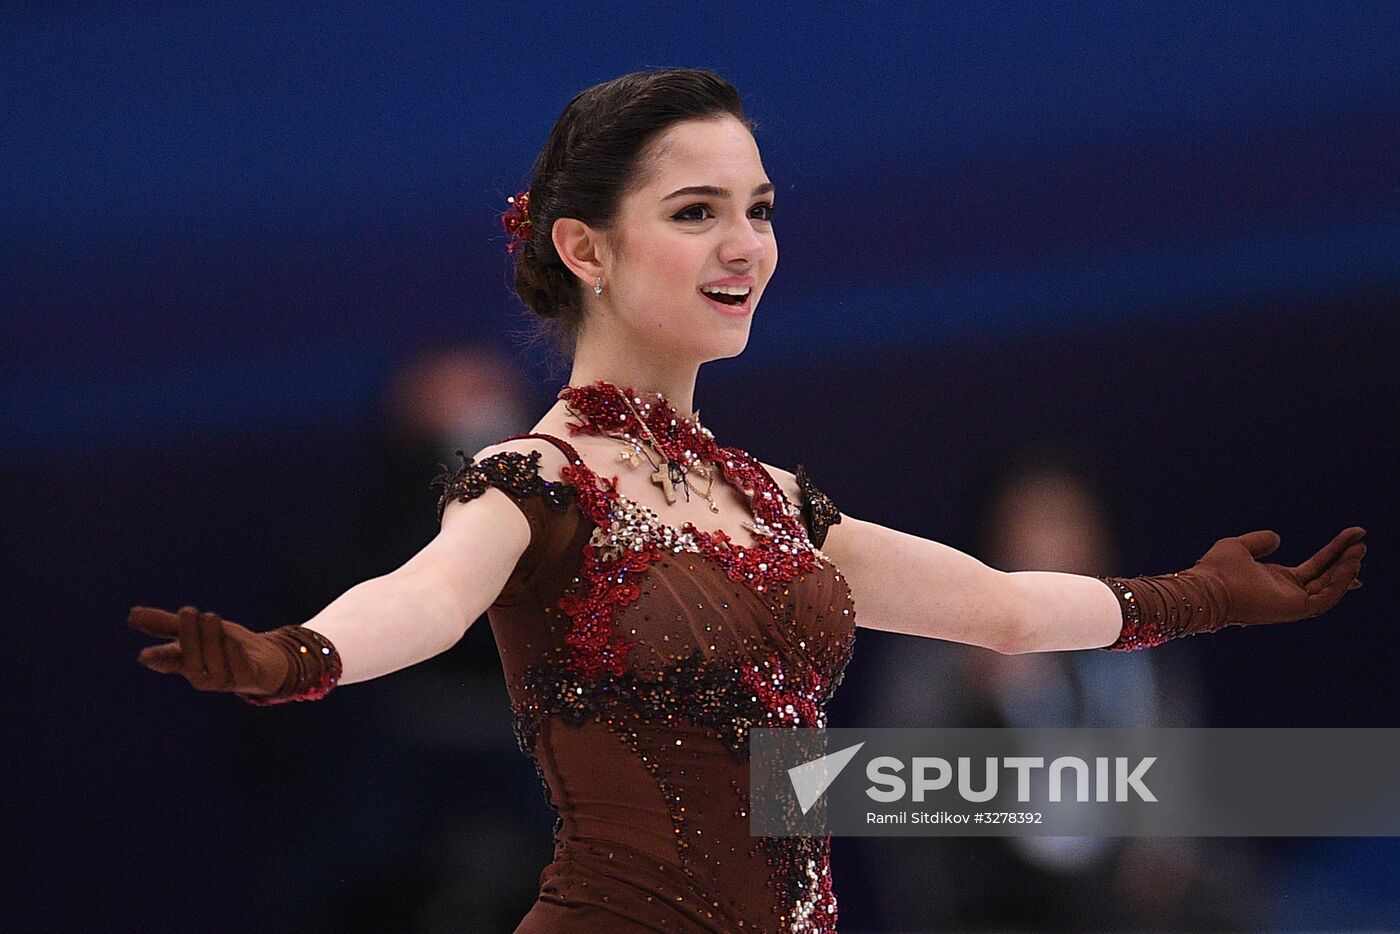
column 668, row 243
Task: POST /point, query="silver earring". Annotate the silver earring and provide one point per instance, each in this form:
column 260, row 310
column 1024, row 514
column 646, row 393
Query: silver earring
column 598, row 286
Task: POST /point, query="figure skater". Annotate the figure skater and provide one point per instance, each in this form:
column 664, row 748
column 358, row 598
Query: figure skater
column 656, row 595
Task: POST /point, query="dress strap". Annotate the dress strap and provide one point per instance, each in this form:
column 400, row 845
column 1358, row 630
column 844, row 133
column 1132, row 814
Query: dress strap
column 559, row 443
column 593, row 493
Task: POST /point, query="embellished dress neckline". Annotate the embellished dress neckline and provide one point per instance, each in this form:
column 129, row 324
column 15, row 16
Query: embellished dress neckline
column 782, row 549
column 603, row 408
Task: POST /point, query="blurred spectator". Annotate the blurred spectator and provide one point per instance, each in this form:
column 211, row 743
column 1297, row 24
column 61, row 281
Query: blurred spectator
column 1040, row 509
column 404, row 803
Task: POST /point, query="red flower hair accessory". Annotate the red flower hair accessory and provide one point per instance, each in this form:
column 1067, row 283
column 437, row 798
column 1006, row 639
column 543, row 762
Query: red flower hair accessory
column 516, row 221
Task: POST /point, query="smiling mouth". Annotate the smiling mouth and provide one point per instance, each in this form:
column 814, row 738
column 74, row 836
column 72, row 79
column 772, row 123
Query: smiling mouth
column 724, row 298
column 731, row 309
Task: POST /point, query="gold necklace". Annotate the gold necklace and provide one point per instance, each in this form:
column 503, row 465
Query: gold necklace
column 660, row 477
column 672, row 468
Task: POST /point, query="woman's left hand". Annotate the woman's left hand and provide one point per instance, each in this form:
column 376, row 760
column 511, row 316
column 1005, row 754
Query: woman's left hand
column 1273, row 593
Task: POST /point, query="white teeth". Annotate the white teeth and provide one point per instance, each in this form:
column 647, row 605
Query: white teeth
column 726, row 289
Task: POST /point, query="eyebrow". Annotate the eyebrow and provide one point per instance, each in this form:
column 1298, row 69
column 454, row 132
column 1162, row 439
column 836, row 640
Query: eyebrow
column 713, row 191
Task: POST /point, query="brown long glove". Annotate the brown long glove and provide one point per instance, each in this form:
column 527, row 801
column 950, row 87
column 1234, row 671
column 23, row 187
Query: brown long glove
column 1229, row 587
column 292, row 663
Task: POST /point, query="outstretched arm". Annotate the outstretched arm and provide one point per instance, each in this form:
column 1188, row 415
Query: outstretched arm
column 380, row 625
column 903, row 583
column 424, row 607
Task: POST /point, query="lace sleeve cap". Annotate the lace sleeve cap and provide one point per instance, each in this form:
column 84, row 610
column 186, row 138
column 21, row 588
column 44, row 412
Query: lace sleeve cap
column 512, row 472
column 818, row 511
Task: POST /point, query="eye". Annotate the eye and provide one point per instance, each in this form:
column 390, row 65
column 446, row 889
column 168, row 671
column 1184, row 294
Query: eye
column 689, row 213
column 766, row 209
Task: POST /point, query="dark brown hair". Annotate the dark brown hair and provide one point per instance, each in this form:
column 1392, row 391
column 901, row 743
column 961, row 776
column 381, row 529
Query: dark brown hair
column 589, row 164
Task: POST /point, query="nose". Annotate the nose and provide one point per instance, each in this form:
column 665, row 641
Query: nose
column 742, row 243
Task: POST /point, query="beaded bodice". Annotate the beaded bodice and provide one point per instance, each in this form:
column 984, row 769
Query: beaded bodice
column 638, row 655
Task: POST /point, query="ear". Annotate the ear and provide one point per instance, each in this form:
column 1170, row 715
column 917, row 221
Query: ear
column 583, row 249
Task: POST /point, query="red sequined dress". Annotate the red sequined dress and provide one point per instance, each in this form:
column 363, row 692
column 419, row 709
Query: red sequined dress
column 638, row 656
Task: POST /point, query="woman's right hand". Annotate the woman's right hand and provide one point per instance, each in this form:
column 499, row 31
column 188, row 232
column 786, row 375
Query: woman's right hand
column 212, row 653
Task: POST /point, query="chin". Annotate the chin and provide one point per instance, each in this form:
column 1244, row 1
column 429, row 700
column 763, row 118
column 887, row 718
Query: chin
column 731, row 348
